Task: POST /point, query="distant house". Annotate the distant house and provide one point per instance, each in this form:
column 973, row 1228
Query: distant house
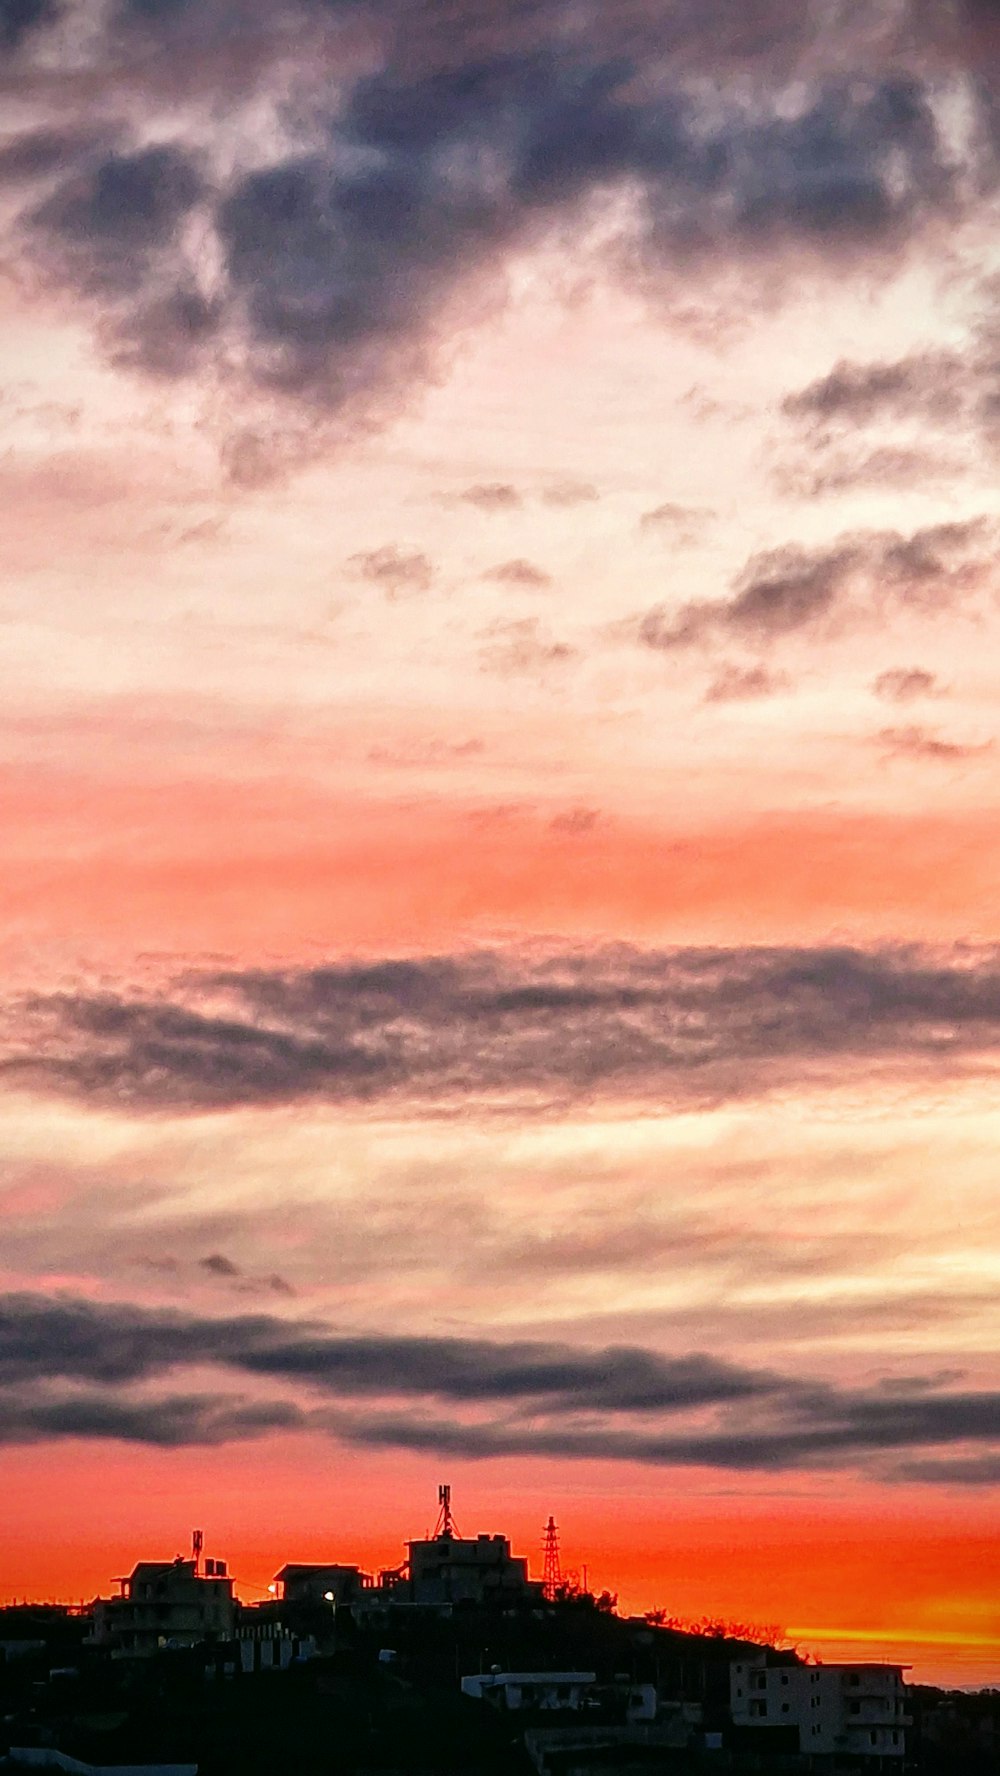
column 857, row 1711
column 166, row 1603
column 545, row 1690
column 334, row 1583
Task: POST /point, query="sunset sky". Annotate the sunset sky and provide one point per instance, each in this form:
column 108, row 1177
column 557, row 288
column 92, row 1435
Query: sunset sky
column 500, row 795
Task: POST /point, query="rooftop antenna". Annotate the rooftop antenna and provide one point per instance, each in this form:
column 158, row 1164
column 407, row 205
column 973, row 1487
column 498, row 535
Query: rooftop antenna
column 552, row 1570
column 197, row 1544
column 446, row 1527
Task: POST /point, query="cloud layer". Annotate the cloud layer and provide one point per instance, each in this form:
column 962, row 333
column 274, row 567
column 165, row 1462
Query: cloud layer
column 419, row 156
column 616, row 1403
column 665, row 1026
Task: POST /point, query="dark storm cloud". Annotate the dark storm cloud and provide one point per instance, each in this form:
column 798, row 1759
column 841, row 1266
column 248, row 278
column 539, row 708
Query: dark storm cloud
column 171, row 1423
column 678, row 1026
column 39, row 152
column 794, row 589
column 337, row 259
column 556, row 1378
column 155, row 10
column 618, row 1403
column 832, row 1430
column 19, row 18
column 44, row 1338
column 111, row 223
column 168, row 336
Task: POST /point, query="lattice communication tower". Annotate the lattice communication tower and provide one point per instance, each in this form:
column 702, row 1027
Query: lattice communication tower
column 552, row 1570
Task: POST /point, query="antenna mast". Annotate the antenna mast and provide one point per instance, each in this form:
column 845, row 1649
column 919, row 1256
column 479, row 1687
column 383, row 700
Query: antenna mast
column 446, row 1528
column 552, row 1570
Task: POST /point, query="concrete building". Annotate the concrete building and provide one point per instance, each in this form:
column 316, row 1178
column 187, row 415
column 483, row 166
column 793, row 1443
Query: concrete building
column 450, row 1569
column 858, row 1711
column 335, row 1584
column 167, row 1603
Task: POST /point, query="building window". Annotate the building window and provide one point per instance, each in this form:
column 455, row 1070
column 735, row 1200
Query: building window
column 758, row 1710
column 784, row 1679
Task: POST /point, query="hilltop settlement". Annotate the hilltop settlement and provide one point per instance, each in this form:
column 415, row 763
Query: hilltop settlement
column 454, row 1661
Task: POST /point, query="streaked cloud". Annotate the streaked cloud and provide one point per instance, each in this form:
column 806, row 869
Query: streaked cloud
column 518, row 572
column 795, row 589
column 581, row 1404
column 672, row 1026
column 913, row 741
column 394, row 569
column 905, row 684
column 740, row 684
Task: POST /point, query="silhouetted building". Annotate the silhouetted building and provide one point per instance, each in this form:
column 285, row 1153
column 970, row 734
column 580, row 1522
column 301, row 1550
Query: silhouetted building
column 450, row 1569
column 439, row 1572
column 335, row 1584
column 167, row 1603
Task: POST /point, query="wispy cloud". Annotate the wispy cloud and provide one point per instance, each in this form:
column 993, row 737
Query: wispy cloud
column 740, row 684
column 916, row 742
column 518, row 573
column 523, row 646
column 797, row 590
column 396, row 570
column 906, row 684
column 492, row 496
column 926, row 385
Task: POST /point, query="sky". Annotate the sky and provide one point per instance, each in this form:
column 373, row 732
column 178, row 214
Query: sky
column 499, row 785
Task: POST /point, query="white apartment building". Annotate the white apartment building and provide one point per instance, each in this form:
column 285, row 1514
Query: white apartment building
column 514, row 1690
column 851, row 1710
